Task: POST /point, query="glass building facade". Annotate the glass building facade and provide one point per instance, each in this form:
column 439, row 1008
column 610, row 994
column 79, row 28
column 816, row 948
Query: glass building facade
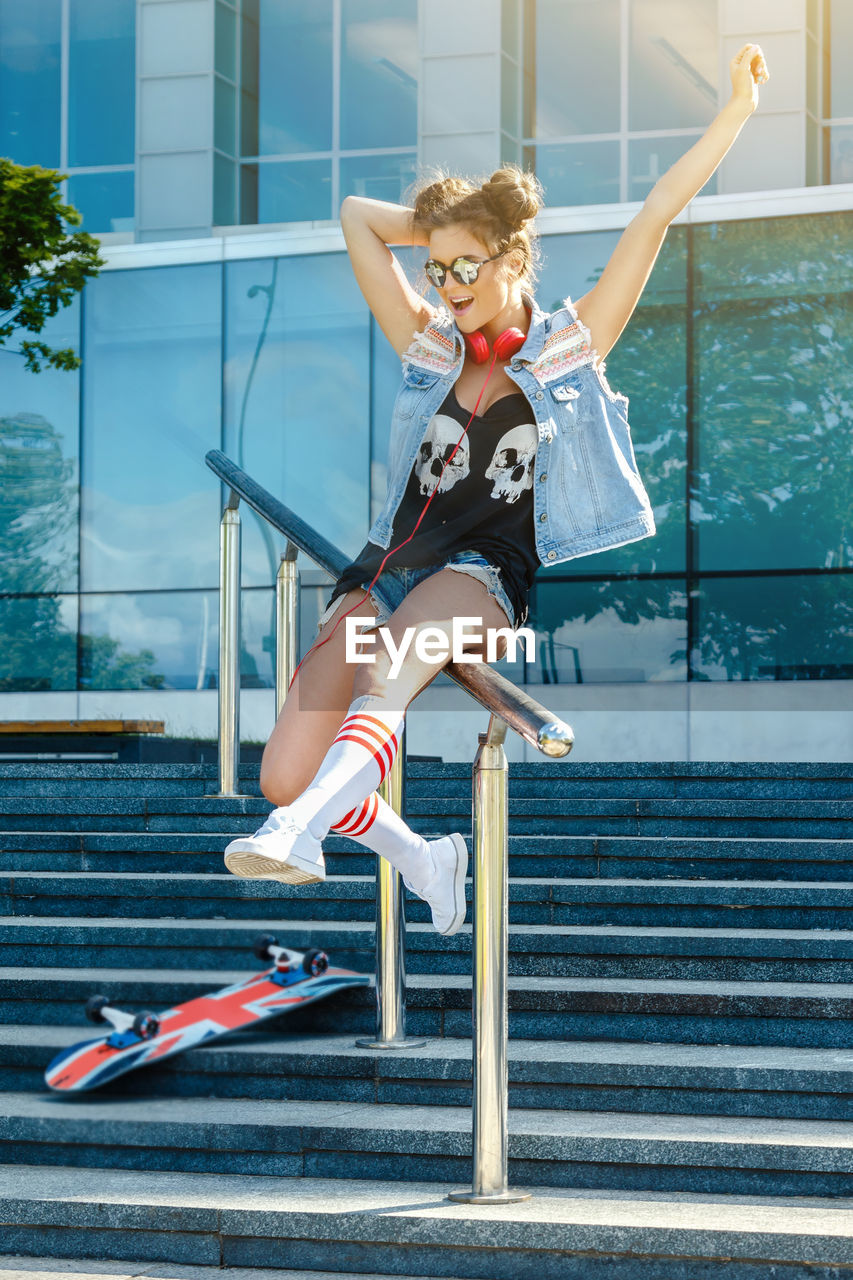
column 737, row 361
column 741, row 392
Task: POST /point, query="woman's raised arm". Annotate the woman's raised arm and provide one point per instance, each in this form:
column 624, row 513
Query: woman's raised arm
column 608, row 306
column 369, row 226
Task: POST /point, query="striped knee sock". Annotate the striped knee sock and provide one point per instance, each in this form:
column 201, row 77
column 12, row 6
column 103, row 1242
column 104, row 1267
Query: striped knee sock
column 375, row 824
column 354, row 766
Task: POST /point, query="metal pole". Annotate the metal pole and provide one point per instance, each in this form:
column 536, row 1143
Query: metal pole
column 391, row 931
column 229, row 648
column 491, row 930
column 287, row 624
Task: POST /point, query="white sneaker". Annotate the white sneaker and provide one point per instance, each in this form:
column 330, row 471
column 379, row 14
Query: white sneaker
column 445, row 892
column 279, row 850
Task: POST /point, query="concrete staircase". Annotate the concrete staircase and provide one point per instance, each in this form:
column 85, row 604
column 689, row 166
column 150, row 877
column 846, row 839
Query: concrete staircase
column 681, row 1052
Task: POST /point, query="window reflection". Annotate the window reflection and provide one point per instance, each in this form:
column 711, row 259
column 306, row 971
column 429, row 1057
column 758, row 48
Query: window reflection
column 611, row 631
column 774, row 393
column 290, row 191
column 30, row 82
column 575, row 46
column 38, row 643
column 39, row 464
column 293, row 75
column 297, row 396
column 577, row 172
column 104, row 199
column 649, row 159
column 672, row 69
column 151, row 412
column 101, row 90
column 775, row 628
column 379, row 69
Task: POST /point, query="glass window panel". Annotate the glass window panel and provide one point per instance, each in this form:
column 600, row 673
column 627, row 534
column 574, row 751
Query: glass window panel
column 102, row 82
column 579, row 172
column 104, row 199
column 297, row 397
column 155, row 640
column 649, row 159
column 39, row 415
column 225, row 116
column 510, row 97
column 649, row 365
column 839, row 153
column 510, row 28
column 379, row 73
column 575, row 46
column 672, row 67
column 226, row 41
column 30, row 81
column 249, row 56
column 297, row 191
column 294, row 75
column 379, row 177
column 224, row 191
column 775, row 628
column 840, row 20
column 773, row 385
column 385, row 383
column 609, row 632
column 150, row 507
column 38, row 643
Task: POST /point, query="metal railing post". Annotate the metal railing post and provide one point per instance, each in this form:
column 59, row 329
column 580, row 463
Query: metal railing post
column 490, row 815
column 287, row 623
column 391, row 931
column 229, row 648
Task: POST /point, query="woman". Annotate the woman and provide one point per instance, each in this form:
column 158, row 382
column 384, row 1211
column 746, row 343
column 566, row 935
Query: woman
column 508, row 450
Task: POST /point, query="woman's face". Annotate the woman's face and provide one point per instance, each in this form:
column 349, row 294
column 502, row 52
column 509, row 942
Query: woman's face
column 495, row 291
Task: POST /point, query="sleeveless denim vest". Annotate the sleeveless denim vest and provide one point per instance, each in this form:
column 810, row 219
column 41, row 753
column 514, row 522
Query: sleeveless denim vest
column 588, row 495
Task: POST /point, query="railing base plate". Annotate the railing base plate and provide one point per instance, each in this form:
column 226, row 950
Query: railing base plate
column 488, row 1197
column 390, row 1044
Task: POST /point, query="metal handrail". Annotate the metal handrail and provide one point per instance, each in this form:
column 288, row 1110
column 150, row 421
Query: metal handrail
column 509, row 707
column 530, row 720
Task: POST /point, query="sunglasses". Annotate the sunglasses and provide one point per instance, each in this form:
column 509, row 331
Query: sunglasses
column 463, row 269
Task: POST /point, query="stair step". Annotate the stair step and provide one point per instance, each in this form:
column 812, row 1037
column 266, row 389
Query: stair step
column 407, row 1228
column 607, row 816
column 730, row 1155
column 749, row 1080
column 542, row 856
column 671, row 1011
column 20, row 1268
column 754, row 955
column 771, row 904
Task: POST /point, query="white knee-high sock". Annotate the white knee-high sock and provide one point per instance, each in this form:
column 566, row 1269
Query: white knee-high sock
column 375, row 824
column 354, row 766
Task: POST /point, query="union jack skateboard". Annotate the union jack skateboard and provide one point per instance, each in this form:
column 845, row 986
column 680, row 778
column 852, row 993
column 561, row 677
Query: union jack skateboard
column 295, row 979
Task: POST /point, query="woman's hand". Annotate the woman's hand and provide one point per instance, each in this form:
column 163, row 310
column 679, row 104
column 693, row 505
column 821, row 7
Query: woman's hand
column 748, row 70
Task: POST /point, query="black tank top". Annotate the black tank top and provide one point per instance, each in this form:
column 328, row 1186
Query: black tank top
column 483, row 503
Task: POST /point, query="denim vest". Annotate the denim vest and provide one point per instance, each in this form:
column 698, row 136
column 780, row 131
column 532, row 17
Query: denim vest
column 587, row 491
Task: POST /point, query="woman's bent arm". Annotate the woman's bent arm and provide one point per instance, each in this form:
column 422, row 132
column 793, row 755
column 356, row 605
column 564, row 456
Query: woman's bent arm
column 608, row 307
column 369, row 226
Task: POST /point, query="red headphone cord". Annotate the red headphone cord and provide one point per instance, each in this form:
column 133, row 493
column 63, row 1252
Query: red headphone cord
column 318, row 643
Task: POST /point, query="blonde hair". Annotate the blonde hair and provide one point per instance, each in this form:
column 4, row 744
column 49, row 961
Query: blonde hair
column 499, row 212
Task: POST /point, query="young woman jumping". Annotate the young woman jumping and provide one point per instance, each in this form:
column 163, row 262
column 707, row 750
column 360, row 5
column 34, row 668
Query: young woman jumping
column 508, row 450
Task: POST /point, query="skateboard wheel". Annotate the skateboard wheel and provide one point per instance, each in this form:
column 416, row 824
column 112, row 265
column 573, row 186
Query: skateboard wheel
column 261, row 945
column 146, row 1025
column 94, row 1005
column 315, row 962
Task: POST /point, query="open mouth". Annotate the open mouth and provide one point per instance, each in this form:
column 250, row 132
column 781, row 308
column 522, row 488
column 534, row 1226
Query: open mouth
column 462, row 303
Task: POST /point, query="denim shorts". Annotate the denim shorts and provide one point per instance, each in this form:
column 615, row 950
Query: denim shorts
column 394, row 584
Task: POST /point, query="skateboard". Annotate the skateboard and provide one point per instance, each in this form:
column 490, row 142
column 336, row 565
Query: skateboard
column 295, row 979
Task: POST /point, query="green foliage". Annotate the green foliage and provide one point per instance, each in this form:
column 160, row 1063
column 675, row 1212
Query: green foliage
column 41, row 266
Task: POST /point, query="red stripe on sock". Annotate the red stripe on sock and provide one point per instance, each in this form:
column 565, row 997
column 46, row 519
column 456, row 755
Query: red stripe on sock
column 366, row 727
column 384, row 757
column 372, row 804
column 347, row 819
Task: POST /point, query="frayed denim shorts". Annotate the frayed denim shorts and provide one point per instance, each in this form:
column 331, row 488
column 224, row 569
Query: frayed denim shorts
column 394, row 584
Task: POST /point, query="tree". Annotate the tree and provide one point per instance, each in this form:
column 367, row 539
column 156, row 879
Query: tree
column 41, row 266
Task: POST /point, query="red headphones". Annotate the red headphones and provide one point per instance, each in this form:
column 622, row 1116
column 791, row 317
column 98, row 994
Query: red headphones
column 506, row 345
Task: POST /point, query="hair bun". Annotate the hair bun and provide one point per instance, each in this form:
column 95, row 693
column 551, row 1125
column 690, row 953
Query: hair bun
column 514, row 195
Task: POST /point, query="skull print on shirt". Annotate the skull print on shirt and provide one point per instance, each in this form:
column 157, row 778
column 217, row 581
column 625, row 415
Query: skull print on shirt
column 511, row 467
column 437, row 446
